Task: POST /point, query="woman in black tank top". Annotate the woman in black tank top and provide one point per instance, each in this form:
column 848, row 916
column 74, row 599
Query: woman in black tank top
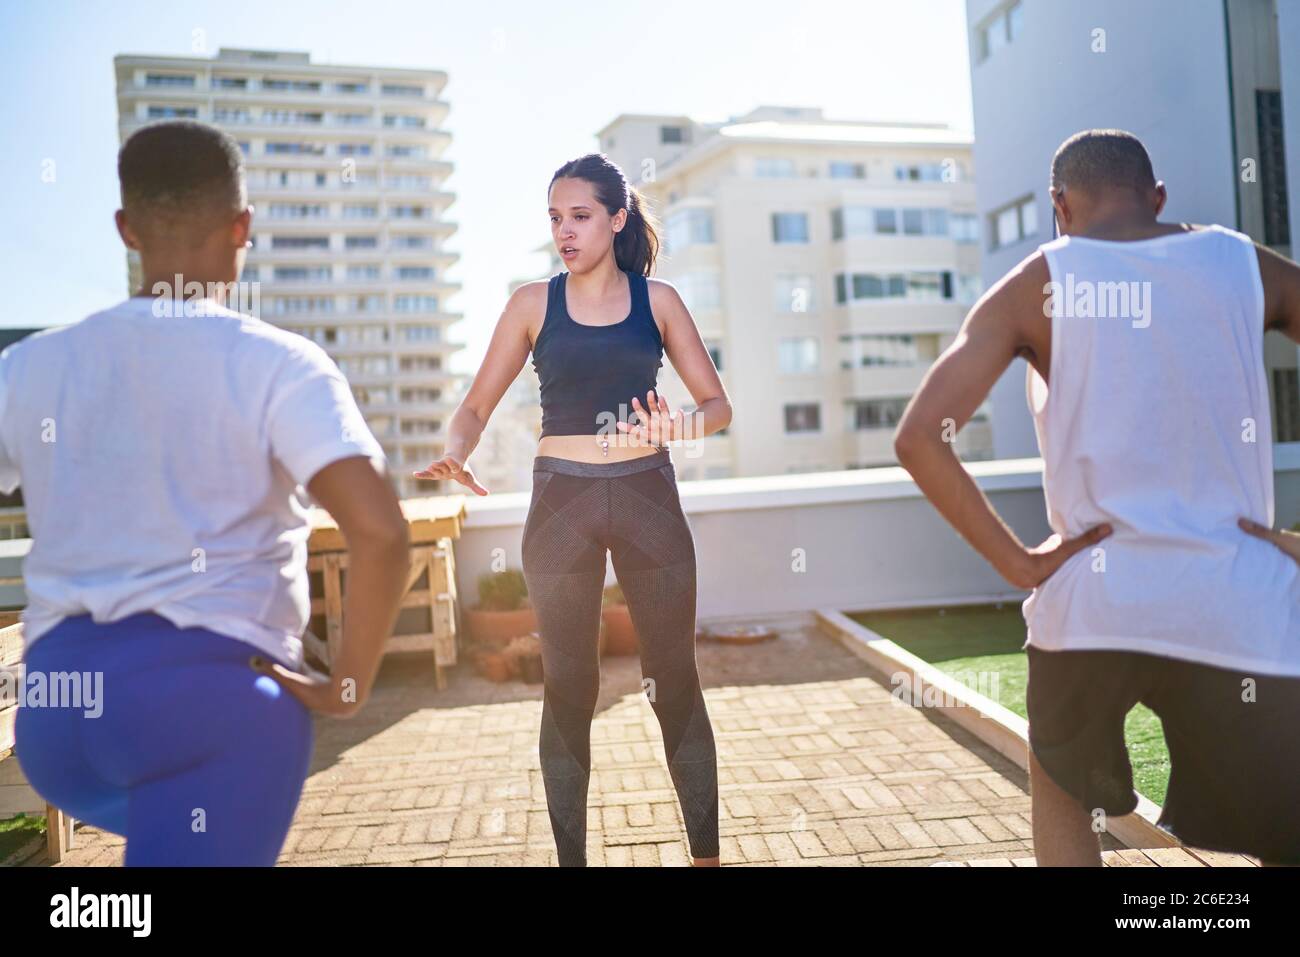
column 604, row 487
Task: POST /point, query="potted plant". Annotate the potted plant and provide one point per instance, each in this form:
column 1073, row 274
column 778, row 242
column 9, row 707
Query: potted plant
column 493, row 663
column 503, row 611
column 620, row 635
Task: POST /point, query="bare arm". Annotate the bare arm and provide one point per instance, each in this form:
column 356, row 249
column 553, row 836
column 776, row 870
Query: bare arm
column 953, row 388
column 1281, row 279
column 690, row 357
column 363, row 503
column 506, row 355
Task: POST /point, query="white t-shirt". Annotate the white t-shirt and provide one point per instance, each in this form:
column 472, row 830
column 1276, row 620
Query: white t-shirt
column 162, row 461
column 1156, row 420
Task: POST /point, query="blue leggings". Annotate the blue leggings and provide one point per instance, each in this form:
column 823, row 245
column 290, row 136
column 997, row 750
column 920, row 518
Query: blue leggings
column 195, row 758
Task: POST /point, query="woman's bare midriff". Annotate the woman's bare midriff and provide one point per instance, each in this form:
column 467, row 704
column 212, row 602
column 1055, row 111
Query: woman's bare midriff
column 587, row 448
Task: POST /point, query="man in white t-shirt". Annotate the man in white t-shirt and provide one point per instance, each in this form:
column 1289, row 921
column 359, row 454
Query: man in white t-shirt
column 163, row 446
column 1156, row 439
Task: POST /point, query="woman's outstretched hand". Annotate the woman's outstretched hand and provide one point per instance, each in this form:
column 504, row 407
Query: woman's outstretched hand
column 657, row 425
column 449, row 467
column 1289, row 542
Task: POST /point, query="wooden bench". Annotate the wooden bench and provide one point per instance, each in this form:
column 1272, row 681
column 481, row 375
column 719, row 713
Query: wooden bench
column 434, row 523
column 16, row 795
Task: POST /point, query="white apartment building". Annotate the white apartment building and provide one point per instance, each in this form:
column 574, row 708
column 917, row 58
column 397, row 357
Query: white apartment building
column 345, row 176
column 827, row 264
column 1212, row 87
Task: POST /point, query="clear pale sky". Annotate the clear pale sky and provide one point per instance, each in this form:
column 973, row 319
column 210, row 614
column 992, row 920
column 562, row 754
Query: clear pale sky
column 529, row 84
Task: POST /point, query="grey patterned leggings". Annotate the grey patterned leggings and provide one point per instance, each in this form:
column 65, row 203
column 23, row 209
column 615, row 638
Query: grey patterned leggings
column 578, row 511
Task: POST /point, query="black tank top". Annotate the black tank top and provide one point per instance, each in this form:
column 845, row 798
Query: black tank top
column 589, row 374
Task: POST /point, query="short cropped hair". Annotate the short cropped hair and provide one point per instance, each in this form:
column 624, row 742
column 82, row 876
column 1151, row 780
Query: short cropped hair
column 181, row 171
column 1096, row 160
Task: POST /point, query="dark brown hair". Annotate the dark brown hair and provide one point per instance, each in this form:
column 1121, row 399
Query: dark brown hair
column 637, row 245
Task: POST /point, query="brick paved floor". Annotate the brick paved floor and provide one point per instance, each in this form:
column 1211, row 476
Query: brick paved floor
column 818, row 765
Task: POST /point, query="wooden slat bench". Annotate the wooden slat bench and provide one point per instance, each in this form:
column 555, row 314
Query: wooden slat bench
column 434, row 524
column 16, row 795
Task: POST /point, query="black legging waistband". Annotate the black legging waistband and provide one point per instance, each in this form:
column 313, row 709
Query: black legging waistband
column 553, row 463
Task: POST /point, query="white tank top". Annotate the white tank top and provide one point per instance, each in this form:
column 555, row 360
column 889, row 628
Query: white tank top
column 1157, row 421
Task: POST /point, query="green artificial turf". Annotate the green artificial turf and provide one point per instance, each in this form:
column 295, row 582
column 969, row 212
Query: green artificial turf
column 982, row 646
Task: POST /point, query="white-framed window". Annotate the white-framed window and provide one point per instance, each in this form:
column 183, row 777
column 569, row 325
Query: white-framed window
column 794, row 293
column 848, row 221
column 363, row 273
column 777, row 167
column 701, row 290
column 1003, row 28
column 965, row 227
column 667, row 134
column 843, row 169
column 1014, row 222
column 689, row 227
column 789, row 227
column 865, row 350
column 868, row 414
column 802, row 417
column 968, row 289
column 798, row 354
column 920, row 285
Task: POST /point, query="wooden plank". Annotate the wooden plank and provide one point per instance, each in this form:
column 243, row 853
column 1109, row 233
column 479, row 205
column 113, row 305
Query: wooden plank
column 333, row 607
column 7, row 718
column 1135, row 858
column 11, row 644
column 1221, row 858
column 429, row 519
column 1172, row 857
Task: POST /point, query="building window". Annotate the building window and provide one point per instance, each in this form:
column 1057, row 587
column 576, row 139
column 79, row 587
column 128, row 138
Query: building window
column 1272, row 167
column 1013, row 223
column 789, row 227
column 798, row 355
column 302, row 149
column 296, row 86
column 918, row 285
column 868, row 221
column 230, row 82
column 167, row 112
column 862, row 349
column 353, row 149
column 403, row 241
column 403, row 120
column 1003, row 28
column 401, row 89
column 949, row 171
column 302, row 273
column 845, row 170
column 362, row 273
column 300, row 242
column 360, row 242
column 794, row 293
column 689, row 227
column 668, row 134
column 350, row 87
column 803, row 417
column 964, row 227
column 715, row 353
column 776, row 167
column 414, row 272
column 169, row 79
column 700, row 291
column 415, row 303
column 1286, row 398
column 867, row 414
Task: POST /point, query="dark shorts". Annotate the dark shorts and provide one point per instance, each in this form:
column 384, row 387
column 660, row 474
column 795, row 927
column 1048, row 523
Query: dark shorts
column 1233, row 740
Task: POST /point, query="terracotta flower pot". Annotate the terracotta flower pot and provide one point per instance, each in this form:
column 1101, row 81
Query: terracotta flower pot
column 620, row 635
column 497, row 628
column 495, row 666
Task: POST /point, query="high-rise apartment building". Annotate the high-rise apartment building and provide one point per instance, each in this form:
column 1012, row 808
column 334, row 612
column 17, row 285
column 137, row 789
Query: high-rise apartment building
column 345, row 175
column 1216, row 101
column 827, row 263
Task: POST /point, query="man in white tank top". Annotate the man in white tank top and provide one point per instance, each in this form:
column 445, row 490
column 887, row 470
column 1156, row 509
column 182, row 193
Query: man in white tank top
column 1146, row 380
